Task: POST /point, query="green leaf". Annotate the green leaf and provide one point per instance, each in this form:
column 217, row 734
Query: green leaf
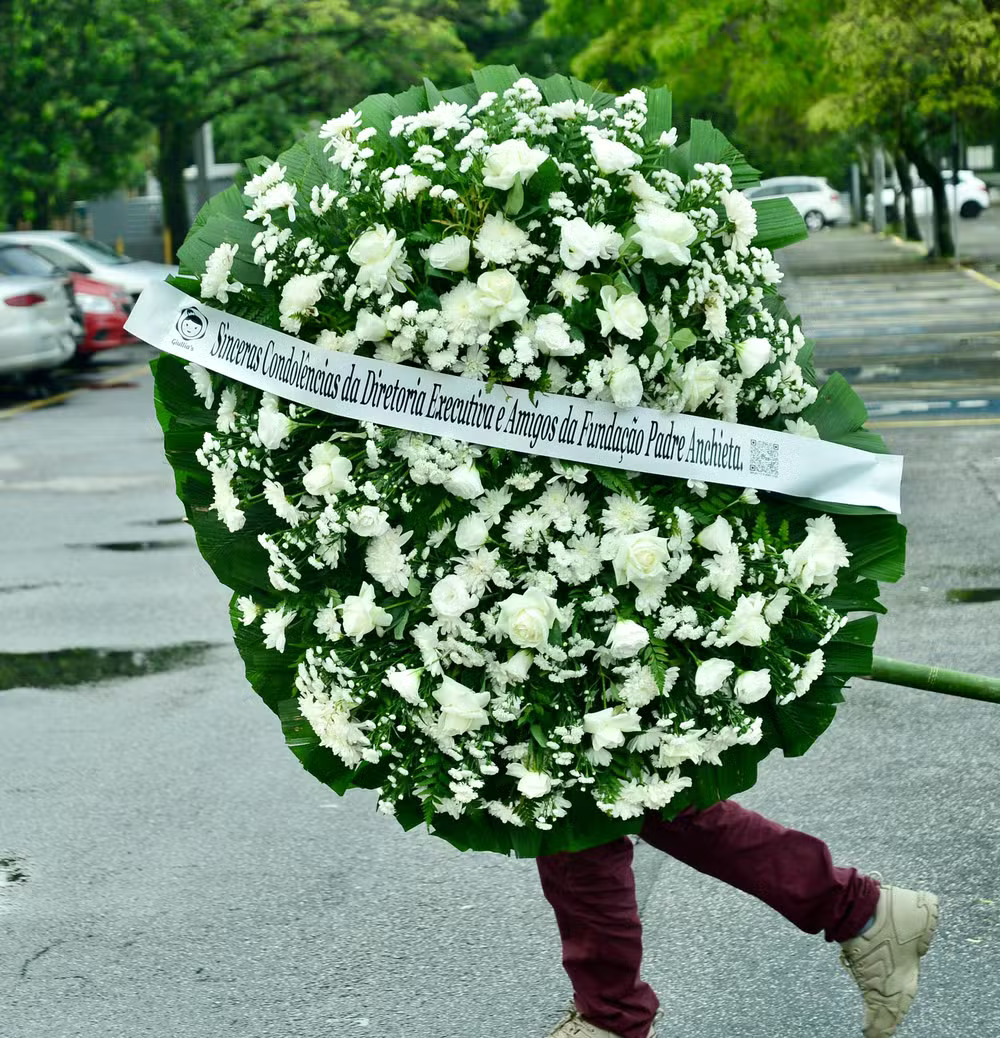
column 778, row 224
column 557, row 88
column 495, row 78
column 682, row 339
column 659, row 114
column 837, row 410
column 515, row 197
column 434, row 96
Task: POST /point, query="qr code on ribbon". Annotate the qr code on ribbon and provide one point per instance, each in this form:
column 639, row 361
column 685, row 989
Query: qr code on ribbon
column 764, row 458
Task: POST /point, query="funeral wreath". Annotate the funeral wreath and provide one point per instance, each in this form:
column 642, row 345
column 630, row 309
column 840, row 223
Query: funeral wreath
column 522, row 652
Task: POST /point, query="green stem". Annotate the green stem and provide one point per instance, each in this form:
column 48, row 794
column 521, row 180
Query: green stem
column 936, row 679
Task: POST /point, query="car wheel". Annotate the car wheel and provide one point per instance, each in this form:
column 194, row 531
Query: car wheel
column 970, row 210
column 814, row 220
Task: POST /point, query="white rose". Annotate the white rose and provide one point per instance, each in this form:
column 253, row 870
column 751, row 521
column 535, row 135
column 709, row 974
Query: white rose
column 501, row 298
column 526, row 619
column 406, row 683
column 449, row 254
column 368, row 520
column 550, row 333
column 664, row 235
column 712, row 675
column 752, row 685
column 370, row 327
column 639, row 558
column 531, row 784
column 330, row 472
column 471, row 533
column 461, row 708
column 626, row 639
column 612, row 156
column 376, row 252
column 450, row 598
column 580, row 244
column 361, row 615
column 717, row 537
column 509, row 159
column 517, row 667
column 464, row 482
column 753, row 354
column 273, row 426
column 623, row 314
column 626, row 386
column 747, row 625
column 607, row 728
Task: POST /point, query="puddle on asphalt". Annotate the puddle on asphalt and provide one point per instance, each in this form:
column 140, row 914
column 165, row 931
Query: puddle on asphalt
column 66, row 667
column 974, row 594
column 135, row 545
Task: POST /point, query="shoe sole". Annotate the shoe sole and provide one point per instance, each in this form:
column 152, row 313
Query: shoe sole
column 934, row 907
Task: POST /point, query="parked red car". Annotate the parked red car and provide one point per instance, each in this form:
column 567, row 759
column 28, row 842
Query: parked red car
column 105, row 309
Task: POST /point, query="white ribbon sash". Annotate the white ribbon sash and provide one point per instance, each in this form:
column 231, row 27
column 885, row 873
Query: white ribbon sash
column 573, row 429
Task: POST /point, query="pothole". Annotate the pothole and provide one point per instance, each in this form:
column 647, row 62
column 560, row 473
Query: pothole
column 67, row 667
column 973, row 594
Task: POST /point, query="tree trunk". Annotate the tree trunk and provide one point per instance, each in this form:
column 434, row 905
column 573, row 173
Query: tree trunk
column 943, row 245
column 174, row 156
column 911, row 229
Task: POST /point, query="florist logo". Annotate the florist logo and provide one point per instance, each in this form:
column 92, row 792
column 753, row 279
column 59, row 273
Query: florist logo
column 191, row 324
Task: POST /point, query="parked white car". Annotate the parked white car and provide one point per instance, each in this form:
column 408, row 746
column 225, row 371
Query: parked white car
column 973, row 196
column 77, row 254
column 817, row 203
column 36, row 325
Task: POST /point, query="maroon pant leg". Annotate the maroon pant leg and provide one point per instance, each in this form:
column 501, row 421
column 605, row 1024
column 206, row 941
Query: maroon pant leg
column 788, row 870
column 593, row 895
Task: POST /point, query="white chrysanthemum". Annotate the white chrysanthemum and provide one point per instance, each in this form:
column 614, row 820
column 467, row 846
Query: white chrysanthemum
column 743, row 217
column 299, row 297
column 626, row 514
column 499, row 240
column 818, row 559
column 215, row 282
column 202, row 379
column 263, row 182
column 273, row 627
column 336, row 729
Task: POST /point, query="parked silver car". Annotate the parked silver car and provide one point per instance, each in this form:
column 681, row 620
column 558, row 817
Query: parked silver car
column 77, row 254
column 36, row 325
column 817, row 203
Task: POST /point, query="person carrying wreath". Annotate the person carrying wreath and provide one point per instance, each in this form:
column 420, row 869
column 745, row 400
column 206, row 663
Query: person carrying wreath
column 883, row 930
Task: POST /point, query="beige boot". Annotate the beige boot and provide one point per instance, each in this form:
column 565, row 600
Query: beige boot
column 574, row 1026
column 885, row 959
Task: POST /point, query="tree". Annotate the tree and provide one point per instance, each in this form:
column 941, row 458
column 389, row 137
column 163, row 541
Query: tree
column 62, row 135
column 910, row 74
column 754, row 68
column 103, row 76
column 192, row 63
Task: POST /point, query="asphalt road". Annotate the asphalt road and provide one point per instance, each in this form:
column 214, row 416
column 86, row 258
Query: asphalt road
column 168, row 870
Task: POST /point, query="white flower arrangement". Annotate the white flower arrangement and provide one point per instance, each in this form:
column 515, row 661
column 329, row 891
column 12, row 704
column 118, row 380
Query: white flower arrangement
column 524, row 654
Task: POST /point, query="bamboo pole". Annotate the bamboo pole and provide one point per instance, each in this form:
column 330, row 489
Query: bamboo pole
column 935, row 679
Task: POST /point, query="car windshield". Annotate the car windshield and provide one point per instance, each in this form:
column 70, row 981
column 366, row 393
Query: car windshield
column 97, row 250
column 16, row 259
